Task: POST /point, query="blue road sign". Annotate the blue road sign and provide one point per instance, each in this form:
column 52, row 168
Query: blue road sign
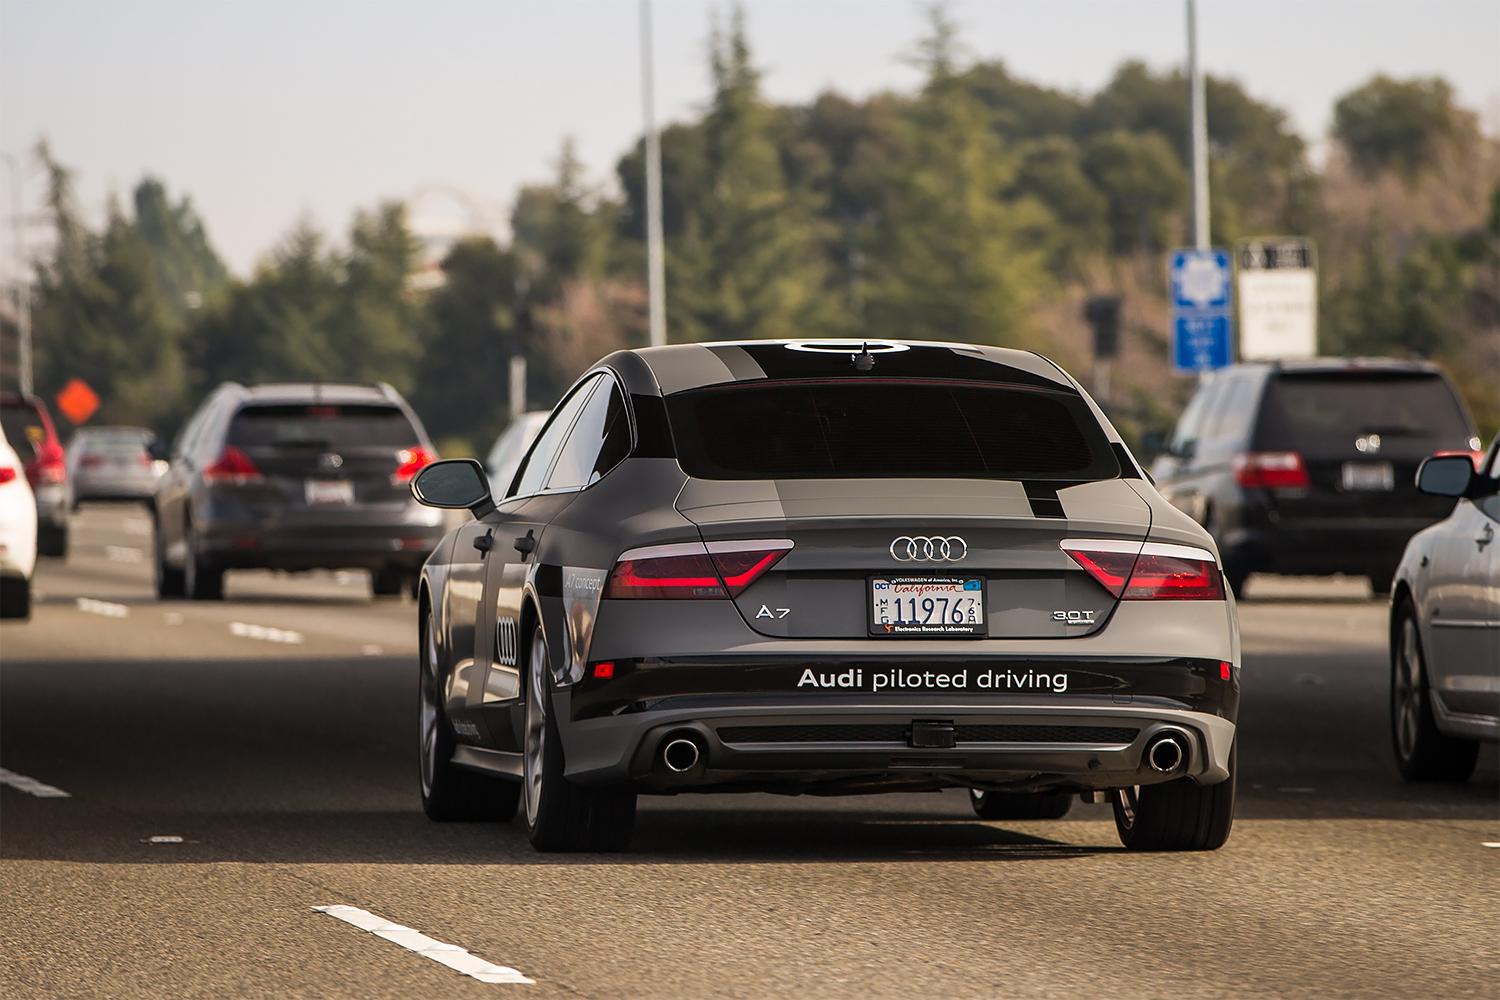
column 1202, row 327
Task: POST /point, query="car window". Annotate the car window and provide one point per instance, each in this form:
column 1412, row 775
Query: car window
column 1226, row 426
column 847, row 429
column 539, row 462
column 1409, row 414
column 599, row 440
column 342, row 427
column 1185, row 436
column 22, row 423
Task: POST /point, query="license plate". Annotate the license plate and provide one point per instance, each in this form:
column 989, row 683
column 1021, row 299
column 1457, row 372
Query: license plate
column 329, row 492
column 1375, row 476
column 927, row 606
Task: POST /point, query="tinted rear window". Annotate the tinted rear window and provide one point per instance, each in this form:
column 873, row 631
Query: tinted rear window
column 23, row 427
column 319, row 425
column 869, row 429
column 1415, row 412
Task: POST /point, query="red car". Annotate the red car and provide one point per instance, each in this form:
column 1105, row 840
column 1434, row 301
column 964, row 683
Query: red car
column 27, row 423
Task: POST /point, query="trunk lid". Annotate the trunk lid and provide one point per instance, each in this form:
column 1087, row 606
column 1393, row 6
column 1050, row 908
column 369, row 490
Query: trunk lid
column 844, row 532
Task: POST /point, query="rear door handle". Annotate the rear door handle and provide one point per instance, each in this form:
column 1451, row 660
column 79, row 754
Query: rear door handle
column 486, row 541
column 526, row 544
column 1486, row 538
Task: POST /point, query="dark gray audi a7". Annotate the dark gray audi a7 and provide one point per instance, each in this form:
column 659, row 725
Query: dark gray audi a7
column 827, row 568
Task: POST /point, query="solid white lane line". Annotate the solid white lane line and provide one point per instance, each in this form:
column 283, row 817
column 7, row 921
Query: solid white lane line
column 1490, row 843
column 121, row 554
column 105, row 608
column 456, row 958
column 370, row 649
column 266, row 633
column 31, row 786
column 137, row 527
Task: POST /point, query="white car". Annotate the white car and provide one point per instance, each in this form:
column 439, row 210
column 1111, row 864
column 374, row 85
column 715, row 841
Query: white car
column 1445, row 625
column 508, row 450
column 17, row 535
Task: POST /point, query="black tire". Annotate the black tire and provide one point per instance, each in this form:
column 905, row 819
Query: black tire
column 15, row 598
column 1423, row 752
column 1235, row 578
column 560, row 815
column 388, row 582
column 1177, row 816
column 52, row 541
column 450, row 793
column 201, row 580
column 1020, row 805
column 168, row 580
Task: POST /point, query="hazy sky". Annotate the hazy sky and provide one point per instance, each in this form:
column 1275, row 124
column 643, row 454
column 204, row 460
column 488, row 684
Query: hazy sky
column 264, row 110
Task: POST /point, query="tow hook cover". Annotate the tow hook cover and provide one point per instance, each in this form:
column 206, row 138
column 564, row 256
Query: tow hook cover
column 937, row 735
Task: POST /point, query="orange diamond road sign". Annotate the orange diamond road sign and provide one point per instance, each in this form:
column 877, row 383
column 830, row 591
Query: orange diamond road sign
column 77, row 401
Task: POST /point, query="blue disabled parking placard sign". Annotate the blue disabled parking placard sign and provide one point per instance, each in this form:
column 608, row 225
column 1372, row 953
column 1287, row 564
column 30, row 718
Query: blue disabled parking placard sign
column 1202, row 324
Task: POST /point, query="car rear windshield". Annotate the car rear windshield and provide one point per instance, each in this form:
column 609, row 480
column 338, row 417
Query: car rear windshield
column 320, row 425
column 1325, row 412
column 871, row 428
column 23, row 425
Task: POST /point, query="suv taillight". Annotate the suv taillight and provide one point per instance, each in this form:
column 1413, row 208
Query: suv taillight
column 1274, row 470
column 692, row 570
column 49, row 465
column 409, row 462
column 1156, row 571
column 233, row 466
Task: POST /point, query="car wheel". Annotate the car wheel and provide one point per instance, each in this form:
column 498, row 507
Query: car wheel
column 52, row 540
column 169, row 582
column 15, row 598
column 560, row 815
column 1020, row 805
column 200, row 581
column 1423, row 753
column 388, row 582
column 450, row 793
column 1180, row 815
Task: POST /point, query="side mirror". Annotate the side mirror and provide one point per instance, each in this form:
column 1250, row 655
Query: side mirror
column 454, row 484
column 1446, row 475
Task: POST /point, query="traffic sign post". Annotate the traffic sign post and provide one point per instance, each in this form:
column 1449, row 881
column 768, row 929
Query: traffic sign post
column 1202, row 322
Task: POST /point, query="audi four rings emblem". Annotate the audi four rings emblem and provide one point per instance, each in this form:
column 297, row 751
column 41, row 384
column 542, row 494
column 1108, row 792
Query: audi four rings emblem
column 922, row 548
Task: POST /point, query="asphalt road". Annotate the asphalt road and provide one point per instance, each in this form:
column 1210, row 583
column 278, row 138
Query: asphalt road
column 274, row 734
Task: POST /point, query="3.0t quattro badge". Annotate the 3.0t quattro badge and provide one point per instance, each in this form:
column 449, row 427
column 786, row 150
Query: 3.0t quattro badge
column 925, row 548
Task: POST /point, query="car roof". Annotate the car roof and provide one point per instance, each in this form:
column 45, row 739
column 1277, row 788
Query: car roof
column 1332, row 366
column 678, row 367
column 316, row 392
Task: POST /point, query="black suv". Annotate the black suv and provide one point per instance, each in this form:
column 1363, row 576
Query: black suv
column 294, row 477
column 1309, row 467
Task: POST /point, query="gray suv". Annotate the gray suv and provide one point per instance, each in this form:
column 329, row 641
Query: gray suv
column 294, row 476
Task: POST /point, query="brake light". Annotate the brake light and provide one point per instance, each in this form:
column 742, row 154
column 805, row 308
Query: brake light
column 409, row 462
column 1155, row 571
column 91, row 461
column 1275, row 470
column 233, row 466
column 7, row 473
column 692, row 570
column 49, row 466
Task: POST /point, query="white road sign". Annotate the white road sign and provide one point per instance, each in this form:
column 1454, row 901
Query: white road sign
column 1278, row 299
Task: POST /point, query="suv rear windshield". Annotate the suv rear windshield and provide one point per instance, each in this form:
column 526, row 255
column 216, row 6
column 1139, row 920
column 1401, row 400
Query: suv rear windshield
column 872, row 428
column 23, row 425
column 322, row 425
column 1324, row 412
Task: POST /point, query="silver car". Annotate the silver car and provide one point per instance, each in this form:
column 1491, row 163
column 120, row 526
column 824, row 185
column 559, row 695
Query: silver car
column 510, row 447
column 1445, row 625
column 114, row 463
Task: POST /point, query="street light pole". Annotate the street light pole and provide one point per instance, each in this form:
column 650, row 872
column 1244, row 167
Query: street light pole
column 1199, row 132
column 656, row 277
column 23, row 283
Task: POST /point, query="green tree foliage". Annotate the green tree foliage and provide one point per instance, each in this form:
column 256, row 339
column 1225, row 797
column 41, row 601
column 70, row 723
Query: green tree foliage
column 1398, row 125
column 1143, row 185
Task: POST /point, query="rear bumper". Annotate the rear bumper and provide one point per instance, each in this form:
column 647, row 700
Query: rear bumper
column 351, row 546
column 1324, row 545
column 1093, row 736
column 112, row 488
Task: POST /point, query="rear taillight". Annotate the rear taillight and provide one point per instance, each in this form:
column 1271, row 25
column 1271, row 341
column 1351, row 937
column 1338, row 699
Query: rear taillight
column 1155, row 571
column 50, row 466
column 233, row 466
column 7, row 473
column 1273, row 470
column 409, row 462
column 692, row 570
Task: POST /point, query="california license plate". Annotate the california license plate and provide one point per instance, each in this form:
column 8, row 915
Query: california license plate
column 329, row 492
column 1371, row 476
column 927, row 606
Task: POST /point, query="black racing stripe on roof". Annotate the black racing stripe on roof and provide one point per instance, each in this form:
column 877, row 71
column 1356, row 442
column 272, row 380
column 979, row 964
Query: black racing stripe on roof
column 777, row 361
column 1043, row 498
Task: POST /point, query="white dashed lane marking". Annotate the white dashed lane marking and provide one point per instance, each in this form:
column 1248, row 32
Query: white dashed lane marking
column 1490, row 843
column 105, row 608
column 267, row 633
column 31, row 786
column 456, row 958
column 123, row 554
column 137, row 527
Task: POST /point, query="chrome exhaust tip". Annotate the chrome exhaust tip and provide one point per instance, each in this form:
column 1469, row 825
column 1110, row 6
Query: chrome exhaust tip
column 680, row 754
column 1166, row 753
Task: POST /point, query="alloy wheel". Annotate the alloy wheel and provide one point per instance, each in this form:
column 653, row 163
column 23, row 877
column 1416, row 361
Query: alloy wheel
column 1129, row 800
column 536, row 725
column 1407, row 689
column 428, row 717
